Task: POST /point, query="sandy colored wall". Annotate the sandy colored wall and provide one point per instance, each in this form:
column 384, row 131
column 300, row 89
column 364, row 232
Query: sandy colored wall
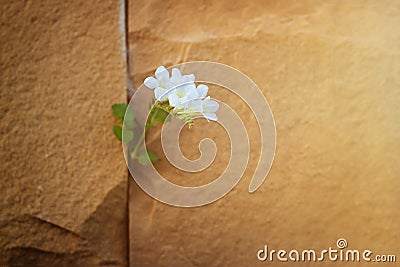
column 330, row 71
column 63, row 177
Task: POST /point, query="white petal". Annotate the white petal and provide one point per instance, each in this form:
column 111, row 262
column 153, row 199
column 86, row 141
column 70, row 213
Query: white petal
column 191, row 92
column 160, row 93
column 182, row 85
column 181, row 88
column 203, row 90
column 185, row 102
column 189, row 78
column 162, row 74
column 194, row 106
column 174, row 100
column 169, row 84
column 210, row 116
column 176, row 73
column 151, row 82
column 189, row 97
column 210, row 106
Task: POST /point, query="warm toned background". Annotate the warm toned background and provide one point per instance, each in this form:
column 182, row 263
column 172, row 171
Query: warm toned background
column 63, row 178
column 330, row 71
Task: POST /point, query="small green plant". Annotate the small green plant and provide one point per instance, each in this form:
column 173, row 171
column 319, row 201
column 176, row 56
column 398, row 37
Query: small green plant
column 126, row 115
column 176, row 94
column 119, row 111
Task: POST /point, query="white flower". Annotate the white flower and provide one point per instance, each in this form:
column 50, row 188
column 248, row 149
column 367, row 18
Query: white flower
column 160, row 83
column 161, row 93
column 181, row 96
column 162, row 78
column 178, row 79
column 181, row 88
column 203, row 90
column 163, row 85
column 205, row 107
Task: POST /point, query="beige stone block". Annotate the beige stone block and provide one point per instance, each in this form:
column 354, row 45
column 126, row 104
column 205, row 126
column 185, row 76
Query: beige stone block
column 63, row 177
column 329, row 70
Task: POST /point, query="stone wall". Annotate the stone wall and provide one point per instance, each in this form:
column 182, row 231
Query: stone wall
column 330, row 71
column 63, row 176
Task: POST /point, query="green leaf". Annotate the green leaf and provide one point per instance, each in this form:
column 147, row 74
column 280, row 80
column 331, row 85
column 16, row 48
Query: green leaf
column 119, row 110
column 153, row 156
column 156, row 115
column 145, row 158
column 128, row 135
column 129, row 119
column 118, row 132
column 160, row 115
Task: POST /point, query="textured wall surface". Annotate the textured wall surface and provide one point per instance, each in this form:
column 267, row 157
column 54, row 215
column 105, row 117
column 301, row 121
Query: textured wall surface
column 63, row 177
column 330, row 71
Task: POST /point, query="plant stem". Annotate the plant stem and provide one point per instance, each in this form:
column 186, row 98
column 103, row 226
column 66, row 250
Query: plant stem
column 141, row 138
column 149, row 123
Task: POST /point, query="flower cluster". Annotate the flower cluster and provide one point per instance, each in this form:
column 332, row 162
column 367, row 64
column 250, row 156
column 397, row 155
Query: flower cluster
column 185, row 100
